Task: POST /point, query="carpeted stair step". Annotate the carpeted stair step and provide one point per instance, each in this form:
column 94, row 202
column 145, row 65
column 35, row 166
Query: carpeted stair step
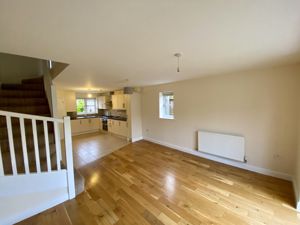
column 29, row 98
column 29, row 142
column 31, row 160
column 16, row 122
column 37, row 87
column 23, row 102
column 38, row 80
column 21, row 94
column 33, row 110
column 28, row 130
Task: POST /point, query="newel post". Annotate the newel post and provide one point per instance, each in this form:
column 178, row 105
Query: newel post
column 69, row 157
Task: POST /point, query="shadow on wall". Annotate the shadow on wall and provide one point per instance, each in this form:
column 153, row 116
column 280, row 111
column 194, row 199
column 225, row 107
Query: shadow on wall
column 14, row 68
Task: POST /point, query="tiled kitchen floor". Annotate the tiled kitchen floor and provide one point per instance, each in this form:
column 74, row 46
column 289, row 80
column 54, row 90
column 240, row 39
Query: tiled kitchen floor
column 90, row 147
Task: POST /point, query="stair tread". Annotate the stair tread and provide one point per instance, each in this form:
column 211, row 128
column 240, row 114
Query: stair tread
column 22, row 93
column 7, row 86
column 15, row 121
column 29, row 141
column 36, row 80
column 13, row 101
column 34, row 109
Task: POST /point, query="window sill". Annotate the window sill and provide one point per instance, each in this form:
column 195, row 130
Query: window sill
column 167, row 118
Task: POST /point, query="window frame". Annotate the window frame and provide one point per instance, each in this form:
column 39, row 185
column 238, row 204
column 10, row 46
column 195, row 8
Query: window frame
column 162, row 110
column 86, row 106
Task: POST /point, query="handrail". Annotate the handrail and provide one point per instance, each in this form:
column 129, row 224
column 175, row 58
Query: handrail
column 29, row 116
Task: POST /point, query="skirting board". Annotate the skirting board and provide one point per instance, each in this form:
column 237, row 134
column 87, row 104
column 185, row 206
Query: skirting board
column 297, row 194
column 136, row 139
column 241, row 165
column 245, row 166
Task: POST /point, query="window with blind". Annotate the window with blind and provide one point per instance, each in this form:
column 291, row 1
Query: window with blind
column 166, row 105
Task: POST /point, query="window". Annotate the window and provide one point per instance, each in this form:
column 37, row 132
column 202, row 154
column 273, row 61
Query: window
column 166, row 105
column 86, row 105
column 50, row 64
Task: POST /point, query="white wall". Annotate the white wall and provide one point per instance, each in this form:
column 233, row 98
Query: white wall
column 297, row 168
column 66, row 102
column 260, row 105
column 14, row 68
column 134, row 116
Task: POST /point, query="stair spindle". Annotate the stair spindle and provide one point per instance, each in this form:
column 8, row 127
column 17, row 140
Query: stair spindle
column 24, row 146
column 57, row 145
column 1, row 164
column 11, row 145
column 36, row 147
column 47, row 146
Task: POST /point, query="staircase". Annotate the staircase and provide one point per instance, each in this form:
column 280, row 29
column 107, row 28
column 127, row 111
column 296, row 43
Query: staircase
column 29, row 98
column 32, row 158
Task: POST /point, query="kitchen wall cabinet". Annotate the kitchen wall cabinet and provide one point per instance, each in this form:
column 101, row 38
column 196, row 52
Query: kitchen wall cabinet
column 118, row 127
column 85, row 125
column 101, row 102
column 104, row 102
column 119, row 101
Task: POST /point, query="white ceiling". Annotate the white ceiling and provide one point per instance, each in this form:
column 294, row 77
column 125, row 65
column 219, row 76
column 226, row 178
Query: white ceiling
column 107, row 42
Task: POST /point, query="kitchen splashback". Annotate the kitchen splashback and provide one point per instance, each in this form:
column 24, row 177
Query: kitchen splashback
column 111, row 112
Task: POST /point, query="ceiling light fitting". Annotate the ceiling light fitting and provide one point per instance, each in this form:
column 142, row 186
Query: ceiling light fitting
column 178, row 55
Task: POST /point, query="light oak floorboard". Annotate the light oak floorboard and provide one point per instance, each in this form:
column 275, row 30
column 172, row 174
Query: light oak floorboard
column 144, row 183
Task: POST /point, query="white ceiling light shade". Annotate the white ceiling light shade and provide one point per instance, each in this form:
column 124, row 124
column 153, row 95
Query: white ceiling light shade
column 178, row 55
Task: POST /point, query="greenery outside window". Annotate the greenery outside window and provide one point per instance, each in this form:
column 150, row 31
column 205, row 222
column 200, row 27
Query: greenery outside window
column 86, row 106
column 166, row 105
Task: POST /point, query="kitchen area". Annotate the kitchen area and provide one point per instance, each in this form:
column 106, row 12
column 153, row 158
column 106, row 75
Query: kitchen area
column 107, row 116
column 101, row 122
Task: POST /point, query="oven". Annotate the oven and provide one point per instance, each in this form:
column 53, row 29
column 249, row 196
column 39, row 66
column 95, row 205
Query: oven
column 104, row 123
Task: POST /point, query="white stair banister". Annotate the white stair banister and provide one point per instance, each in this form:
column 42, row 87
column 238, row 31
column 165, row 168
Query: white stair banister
column 54, row 185
column 36, row 146
column 57, row 145
column 11, row 145
column 69, row 157
column 1, row 164
column 47, row 146
column 24, row 146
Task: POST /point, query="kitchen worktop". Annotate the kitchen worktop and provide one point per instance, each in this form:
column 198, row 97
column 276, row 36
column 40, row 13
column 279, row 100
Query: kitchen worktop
column 97, row 116
column 115, row 118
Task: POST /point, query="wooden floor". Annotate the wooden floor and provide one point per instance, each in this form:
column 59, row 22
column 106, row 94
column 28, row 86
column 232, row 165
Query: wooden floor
column 90, row 147
column 144, row 183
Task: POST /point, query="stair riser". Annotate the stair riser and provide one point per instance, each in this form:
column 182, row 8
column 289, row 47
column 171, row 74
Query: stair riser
column 34, row 110
column 37, row 80
column 29, row 141
column 15, row 122
column 32, row 164
column 37, row 87
column 28, row 131
column 4, row 102
column 21, row 94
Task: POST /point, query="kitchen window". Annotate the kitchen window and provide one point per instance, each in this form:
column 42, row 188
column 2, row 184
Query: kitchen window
column 86, row 105
column 166, row 105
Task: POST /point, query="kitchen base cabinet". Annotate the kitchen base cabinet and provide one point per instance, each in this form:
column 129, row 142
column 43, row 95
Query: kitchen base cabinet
column 85, row 125
column 118, row 127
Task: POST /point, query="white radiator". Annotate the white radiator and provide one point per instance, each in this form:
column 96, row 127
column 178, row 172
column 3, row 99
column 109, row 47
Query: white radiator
column 224, row 145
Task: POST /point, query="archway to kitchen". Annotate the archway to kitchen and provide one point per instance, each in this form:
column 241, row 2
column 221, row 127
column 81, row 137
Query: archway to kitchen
column 100, row 122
